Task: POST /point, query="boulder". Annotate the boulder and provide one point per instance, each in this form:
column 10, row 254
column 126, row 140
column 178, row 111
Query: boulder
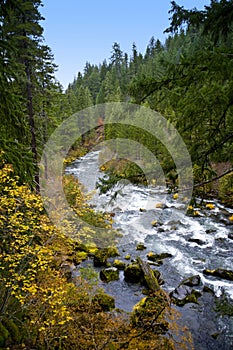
column 141, row 246
column 230, row 235
column 184, row 293
column 119, row 264
column 140, row 271
column 149, row 277
column 79, row 257
column 133, row 273
column 158, row 257
column 220, row 273
column 102, row 255
column 192, row 281
column 103, row 301
column 196, row 240
column 100, row 259
column 158, row 276
column 109, row 274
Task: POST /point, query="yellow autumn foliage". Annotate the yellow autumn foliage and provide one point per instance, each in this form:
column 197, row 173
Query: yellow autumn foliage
column 46, row 311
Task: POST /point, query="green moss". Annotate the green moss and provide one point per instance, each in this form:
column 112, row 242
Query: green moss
column 104, row 301
column 13, row 330
column 4, row 334
column 79, row 257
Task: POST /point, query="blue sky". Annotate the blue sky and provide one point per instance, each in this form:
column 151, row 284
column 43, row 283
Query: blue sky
column 80, row 31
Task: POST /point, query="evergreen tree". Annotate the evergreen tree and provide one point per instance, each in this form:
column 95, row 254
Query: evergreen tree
column 26, row 69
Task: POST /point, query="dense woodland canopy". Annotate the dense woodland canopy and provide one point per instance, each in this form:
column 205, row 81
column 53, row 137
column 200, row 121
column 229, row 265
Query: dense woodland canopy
column 188, row 79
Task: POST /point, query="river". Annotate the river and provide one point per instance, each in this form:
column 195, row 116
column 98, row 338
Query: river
column 195, row 243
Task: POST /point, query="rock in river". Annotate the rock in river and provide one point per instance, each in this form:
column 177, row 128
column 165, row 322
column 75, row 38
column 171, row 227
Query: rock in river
column 184, row 293
column 133, row 273
column 220, row 273
column 109, row 274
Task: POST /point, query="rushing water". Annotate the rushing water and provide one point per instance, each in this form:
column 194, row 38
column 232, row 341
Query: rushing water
column 199, row 243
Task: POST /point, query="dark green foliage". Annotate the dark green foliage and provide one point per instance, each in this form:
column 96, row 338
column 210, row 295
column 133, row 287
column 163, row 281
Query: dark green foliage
column 27, row 87
column 4, row 334
column 188, row 79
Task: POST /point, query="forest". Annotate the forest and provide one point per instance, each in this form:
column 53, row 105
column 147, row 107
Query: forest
column 188, row 79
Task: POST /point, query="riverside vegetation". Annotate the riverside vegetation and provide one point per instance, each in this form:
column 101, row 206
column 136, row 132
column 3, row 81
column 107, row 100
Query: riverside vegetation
column 188, row 79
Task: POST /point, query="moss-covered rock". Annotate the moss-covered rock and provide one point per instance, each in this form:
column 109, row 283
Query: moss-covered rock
column 148, row 276
column 184, row 293
column 104, row 301
column 102, row 255
column 220, row 273
column 119, row 264
column 141, row 246
column 127, row 257
column 158, row 257
column 109, row 274
column 190, row 298
column 133, row 273
column 192, row 281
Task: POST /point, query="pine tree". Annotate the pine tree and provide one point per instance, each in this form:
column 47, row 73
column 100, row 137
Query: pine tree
column 28, row 72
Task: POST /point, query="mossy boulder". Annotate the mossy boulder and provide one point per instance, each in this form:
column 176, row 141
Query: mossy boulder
column 192, row 297
column 90, row 249
column 192, row 281
column 104, row 301
column 102, row 255
column 133, row 273
column 140, row 246
column 140, row 271
column 158, row 258
column 109, row 274
column 220, row 273
column 158, row 276
column 184, row 293
column 127, row 257
column 119, row 264
column 149, row 278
